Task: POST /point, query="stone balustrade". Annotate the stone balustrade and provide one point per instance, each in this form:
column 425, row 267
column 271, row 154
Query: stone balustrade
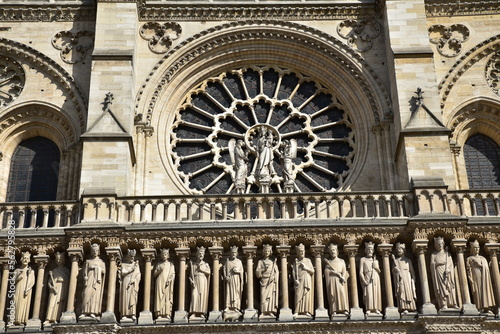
column 31, row 215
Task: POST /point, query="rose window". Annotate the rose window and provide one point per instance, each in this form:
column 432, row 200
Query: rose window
column 262, row 130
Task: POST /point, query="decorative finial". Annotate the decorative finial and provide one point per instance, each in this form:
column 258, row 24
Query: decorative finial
column 420, row 97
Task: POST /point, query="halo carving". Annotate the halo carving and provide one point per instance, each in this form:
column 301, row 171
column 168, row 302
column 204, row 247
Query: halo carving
column 293, row 134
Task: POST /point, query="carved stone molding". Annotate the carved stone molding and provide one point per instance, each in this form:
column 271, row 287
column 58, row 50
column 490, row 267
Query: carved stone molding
column 73, row 46
column 47, row 13
column 160, row 36
column 284, row 11
column 448, row 39
column 59, row 76
column 359, row 34
column 471, row 57
column 493, row 73
column 12, row 79
column 436, row 8
column 309, row 37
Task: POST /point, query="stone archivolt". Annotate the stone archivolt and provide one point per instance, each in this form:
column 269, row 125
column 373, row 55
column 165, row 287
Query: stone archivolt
column 12, row 79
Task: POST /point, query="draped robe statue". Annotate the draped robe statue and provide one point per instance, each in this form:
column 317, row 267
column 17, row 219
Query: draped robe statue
column 130, row 274
column 164, row 274
column 443, row 276
column 268, row 274
column 94, row 273
column 200, row 282
column 478, row 272
column 58, row 289
column 369, row 274
column 233, row 275
column 336, row 282
column 303, row 272
column 404, row 279
column 24, row 278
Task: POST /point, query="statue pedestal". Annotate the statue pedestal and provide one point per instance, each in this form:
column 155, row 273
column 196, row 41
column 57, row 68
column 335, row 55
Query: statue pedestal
column 127, row 321
column 215, row 316
column 373, row 316
column 163, row 321
column 231, row 315
column 429, row 309
column 108, row 317
column 181, row 317
column 450, row 312
column 285, row 314
column 250, row 315
column 267, row 318
column 339, row 317
column 409, row 315
column 145, row 318
column 68, row 318
column 321, row 314
column 47, row 326
column 302, row 317
column 392, row 313
column 469, row 309
column 33, row 325
column 15, row 328
column 357, row 314
column 196, row 318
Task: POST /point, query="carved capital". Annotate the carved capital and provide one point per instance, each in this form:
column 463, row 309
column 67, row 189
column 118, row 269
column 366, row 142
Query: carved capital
column 148, row 254
column 75, row 254
column 351, row 250
column 493, row 249
column 114, row 253
column 283, row 251
column 182, row 253
column 216, row 252
column 317, row 250
column 420, row 246
column 249, row 251
column 384, row 249
column 41, row 260
column 459, row 245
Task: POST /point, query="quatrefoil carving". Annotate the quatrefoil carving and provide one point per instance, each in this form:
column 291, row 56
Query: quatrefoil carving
column 359, row 34
column 448, row 39
column 160, row 36
column 493, row 73
column 73, row 46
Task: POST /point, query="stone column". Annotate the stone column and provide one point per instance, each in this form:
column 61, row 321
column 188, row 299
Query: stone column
column 114, row 253
column 356, row 312
column 34, row 323
column 181, row 315
column 215, row 315
column 493, row 250
column 76, row 255
column 391, row 312
column 468, row 308
column 250, row 313
column 4, row 261
column 285, row 311
column 420, row 247
column 146, row 316
column 321, row 313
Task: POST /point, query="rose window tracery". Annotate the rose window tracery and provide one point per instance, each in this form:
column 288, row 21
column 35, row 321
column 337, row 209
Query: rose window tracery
column 12, row 79
column 262, row 130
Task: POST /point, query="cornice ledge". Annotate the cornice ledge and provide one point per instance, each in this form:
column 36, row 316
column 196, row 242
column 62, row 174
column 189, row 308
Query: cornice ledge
column 437, row 8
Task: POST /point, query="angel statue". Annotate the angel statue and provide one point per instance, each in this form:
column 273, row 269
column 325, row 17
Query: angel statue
column 239, row 158
column 287, row 154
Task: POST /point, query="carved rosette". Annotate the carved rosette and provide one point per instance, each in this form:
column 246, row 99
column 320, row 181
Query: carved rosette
column 248, row 103
column 448, row 39
column 359, row 34
column 493, row 73
column 12, row 79
column 73, row 46
column 160, row 36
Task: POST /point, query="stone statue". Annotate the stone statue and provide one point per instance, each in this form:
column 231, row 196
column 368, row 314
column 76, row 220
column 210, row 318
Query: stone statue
column 130, row 277
column 265, row 154
column 24, row 278
column 404, row 280
column 240, row 160
column 369, row 275
column 233, row 275
column 443, row 276
column 164, row 274
column 303, row 272
column 200, row 282
column 268, row 274
column 94, row 273
column 58, row 283
column 478, row 272
column 336, row 282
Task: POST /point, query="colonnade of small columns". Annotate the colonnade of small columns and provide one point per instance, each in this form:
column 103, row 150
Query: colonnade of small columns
column 250, row 311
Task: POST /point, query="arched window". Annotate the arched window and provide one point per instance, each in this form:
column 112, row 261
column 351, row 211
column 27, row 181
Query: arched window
column 482, row 162
column 34, row 172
